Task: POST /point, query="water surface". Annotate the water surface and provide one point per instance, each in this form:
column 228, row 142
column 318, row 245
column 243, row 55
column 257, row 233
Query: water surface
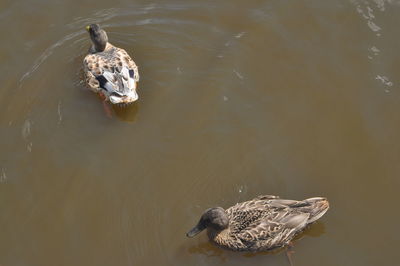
column 237, row 99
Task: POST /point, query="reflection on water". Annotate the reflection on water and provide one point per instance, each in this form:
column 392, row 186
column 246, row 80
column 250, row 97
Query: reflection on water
column 368, row 10
column 237, row 99
column 127, row 113
column 207, row 249
column 204, row 247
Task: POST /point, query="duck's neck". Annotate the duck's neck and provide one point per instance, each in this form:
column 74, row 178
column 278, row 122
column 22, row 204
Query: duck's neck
column 96, row 48
column 218, row 237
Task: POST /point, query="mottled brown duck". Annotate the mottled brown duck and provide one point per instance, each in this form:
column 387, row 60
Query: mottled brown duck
column 109, row 70
column 264, row 223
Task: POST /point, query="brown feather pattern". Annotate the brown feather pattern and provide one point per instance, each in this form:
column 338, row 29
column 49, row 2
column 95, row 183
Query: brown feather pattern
column 112, row 58
column 267, row 222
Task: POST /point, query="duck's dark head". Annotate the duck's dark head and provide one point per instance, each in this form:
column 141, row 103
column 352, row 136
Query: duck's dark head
column 98, row 36
column 214, row 218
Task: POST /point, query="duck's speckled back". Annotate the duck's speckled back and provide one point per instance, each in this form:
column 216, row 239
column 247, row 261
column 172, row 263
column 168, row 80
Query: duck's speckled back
column 267, row 222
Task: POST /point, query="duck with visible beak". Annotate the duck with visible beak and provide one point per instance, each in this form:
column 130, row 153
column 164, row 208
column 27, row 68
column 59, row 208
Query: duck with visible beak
column 109, row 70
column 263, row 223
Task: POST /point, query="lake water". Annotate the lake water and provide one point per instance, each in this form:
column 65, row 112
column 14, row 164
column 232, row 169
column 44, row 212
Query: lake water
column 237, row 99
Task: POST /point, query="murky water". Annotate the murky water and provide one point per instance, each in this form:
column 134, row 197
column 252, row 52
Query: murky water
column 237, row 99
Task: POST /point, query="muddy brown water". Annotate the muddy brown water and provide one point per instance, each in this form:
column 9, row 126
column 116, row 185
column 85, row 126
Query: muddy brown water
column 237, row 99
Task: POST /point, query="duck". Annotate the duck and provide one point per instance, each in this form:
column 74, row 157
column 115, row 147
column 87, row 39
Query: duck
column 109, row 70
column 261, row 224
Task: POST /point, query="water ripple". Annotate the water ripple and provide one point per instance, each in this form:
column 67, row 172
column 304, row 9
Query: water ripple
column 385, row 80
column 367, row 12
column 48, row 52
column 105, row 17
column 3, row 176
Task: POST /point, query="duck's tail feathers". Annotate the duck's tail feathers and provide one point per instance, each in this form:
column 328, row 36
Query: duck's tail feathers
column 316, row 207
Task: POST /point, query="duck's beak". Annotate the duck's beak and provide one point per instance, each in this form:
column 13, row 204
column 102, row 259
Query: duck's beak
column 87, row 28
column 195, row 230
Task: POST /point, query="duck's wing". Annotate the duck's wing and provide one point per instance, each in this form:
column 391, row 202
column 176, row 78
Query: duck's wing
column 92, row 69
column 113, row 71
column 270, row 223
column 123, row 57
column 265, row 197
